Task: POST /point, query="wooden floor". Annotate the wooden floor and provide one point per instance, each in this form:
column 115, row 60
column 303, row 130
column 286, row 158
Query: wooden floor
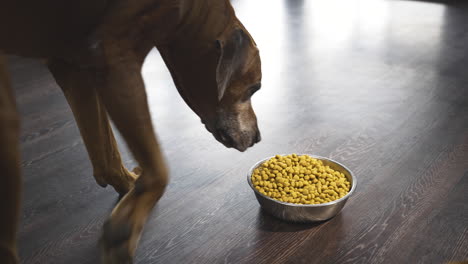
column 381, row 86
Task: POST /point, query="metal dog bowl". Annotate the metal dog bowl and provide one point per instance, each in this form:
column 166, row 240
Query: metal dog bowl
column 304, row 213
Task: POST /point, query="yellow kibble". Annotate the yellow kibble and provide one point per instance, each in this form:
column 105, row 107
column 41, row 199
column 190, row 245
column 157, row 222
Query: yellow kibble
column 299, row 179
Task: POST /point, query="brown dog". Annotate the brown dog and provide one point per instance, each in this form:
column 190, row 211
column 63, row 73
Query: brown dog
column 95, row 50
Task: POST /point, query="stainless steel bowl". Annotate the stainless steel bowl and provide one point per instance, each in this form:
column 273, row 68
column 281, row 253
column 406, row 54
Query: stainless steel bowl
column 304, row 213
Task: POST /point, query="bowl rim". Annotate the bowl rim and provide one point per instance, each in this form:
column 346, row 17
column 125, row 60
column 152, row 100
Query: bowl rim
column 353, row 186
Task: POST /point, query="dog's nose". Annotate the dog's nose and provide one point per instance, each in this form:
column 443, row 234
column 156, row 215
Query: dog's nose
column 258, row 137
column 255, row 139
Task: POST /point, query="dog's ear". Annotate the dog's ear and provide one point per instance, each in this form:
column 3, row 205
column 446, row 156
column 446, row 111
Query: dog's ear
column 233, row 52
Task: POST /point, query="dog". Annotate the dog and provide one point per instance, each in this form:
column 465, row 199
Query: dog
column 95, row 51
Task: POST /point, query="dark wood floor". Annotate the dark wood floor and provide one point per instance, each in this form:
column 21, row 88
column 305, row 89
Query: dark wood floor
column 381, row 86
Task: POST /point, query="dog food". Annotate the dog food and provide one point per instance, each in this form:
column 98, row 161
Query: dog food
column 300, row 180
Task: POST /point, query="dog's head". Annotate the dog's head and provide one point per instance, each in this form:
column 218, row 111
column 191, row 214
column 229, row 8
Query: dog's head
column 217, row 81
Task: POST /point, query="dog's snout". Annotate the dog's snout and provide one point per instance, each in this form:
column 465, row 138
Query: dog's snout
column 225, row 137
column 258, row 137
column 240, row 135
column 255, row 139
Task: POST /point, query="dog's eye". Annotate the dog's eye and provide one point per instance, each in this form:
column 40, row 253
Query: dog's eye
column 254, row 88
column 251, row 91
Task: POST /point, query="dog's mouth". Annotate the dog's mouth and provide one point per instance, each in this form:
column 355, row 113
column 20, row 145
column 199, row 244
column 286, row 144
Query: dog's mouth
column 240, row 141
column 220, row 136
column 224, row 138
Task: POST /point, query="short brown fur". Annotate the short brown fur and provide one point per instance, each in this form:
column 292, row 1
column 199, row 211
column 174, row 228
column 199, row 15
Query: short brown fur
column 95, row 51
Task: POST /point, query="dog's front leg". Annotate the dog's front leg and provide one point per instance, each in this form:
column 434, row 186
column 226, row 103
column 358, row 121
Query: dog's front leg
column 10, row 180
column 79, row 87
column 123, row 94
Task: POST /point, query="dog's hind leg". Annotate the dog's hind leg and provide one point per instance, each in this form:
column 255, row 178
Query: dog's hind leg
column 123, row 93
column 79, row 87
column 10, row 180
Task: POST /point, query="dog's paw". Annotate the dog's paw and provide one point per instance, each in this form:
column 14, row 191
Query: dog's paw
column 115, row 243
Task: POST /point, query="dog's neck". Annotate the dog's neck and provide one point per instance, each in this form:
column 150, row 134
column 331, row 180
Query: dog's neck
column 191, row 48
